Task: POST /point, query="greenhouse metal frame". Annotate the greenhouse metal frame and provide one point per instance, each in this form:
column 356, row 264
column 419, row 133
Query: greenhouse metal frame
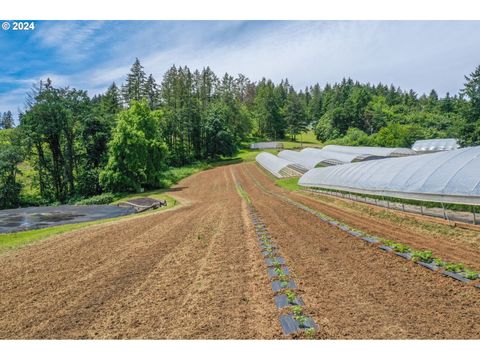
column 278, row 167
column 435, row 145
column 445, row 177
column 328, row 157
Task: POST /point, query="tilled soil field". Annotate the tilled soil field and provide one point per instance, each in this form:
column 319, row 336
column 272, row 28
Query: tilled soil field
column 192, row 272
column 196, row 272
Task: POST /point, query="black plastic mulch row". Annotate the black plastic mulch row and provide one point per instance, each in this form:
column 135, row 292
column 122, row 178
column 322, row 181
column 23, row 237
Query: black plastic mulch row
column 288, row 322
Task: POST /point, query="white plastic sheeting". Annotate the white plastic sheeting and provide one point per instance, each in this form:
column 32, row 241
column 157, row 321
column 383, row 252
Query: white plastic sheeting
column 371, row 150
column 267, row 145
column 329, row 157
column 449, row 176
column 310, row 158
column 434, row 145
column 277, row 166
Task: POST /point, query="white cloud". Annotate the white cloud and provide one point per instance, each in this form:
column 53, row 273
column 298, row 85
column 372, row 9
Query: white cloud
column 418, row 55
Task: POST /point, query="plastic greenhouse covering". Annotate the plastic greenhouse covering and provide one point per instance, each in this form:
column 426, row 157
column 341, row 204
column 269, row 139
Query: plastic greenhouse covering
column 449, row 176
column 277, row 166
column 310, row 158
column 371, row 150
column 328, row 157
column 267, row 145
column 434, row 145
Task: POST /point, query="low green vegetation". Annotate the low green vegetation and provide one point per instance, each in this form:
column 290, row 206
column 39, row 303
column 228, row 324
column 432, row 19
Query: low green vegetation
column 298, row 315
column 396, row 246
column 289, row 183
column 245, row 196
column 425, row 256
column 291, row 297
column 310, row 333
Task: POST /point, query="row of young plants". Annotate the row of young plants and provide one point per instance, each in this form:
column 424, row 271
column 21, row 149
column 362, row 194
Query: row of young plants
column 422, row 257
column 282, row 283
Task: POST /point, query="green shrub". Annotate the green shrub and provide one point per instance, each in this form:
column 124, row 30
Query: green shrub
column 102, row 199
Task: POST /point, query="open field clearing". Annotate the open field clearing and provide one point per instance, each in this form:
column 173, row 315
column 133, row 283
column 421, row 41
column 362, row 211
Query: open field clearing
column 196, row 271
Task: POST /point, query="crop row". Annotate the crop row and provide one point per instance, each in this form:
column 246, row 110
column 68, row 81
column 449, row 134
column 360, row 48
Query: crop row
column 282, row 283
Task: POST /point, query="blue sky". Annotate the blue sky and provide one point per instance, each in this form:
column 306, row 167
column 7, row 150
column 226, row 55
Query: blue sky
column 91, row 55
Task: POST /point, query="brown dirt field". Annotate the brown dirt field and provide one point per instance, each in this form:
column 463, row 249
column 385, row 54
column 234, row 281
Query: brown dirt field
column 192, row 272
column 452, row 249
column 195, row 271
column 354, row 290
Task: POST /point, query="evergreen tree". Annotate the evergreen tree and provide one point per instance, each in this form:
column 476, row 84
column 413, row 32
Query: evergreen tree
column 134, row 87
column 6, row 120
column 151, row 92
column 294, row 113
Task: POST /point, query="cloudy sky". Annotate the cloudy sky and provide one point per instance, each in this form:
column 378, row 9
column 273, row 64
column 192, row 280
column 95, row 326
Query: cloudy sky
column 91, row 55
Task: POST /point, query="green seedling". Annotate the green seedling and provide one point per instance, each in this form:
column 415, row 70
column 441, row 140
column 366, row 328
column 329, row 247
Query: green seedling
column 454, row 267
column 310, row 333
column 279, row 271
column 283, row 278
column 301, row 319
column 401, row 248
column 276, row 264
column 439, row 262
column 423, row 256
column 469, row 274
column 283, row 284
column 297, row 310
column 291, row 297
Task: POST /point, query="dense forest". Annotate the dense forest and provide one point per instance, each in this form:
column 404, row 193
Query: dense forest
column 126, row 139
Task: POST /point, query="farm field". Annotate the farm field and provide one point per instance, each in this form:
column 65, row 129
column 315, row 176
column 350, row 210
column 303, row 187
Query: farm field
column 195, row 271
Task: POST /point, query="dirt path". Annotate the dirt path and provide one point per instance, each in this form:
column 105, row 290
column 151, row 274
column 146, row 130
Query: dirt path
column 194, row 272
column 355, row 291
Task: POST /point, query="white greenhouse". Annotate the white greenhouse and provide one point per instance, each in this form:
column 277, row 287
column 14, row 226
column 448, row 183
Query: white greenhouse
column 371, row 150
column 267, row 145
column 449, row 177
column 434, row 145
column 310, row 158
column 278, row 167
column 329, row 157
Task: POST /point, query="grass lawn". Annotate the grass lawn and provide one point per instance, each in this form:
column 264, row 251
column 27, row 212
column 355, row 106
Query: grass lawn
column 289, row 183
column 308, row 139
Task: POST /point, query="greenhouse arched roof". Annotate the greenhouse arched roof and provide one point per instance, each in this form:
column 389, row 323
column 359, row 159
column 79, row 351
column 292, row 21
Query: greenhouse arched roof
column 277, row 166
column 326, row 157
column 450, row 176
column 371, row 150
column 434, row 145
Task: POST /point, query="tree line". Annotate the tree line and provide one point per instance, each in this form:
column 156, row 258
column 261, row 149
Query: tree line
column 75, row 146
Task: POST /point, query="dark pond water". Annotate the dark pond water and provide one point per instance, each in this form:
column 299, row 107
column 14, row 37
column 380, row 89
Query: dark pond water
column 14, row 220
